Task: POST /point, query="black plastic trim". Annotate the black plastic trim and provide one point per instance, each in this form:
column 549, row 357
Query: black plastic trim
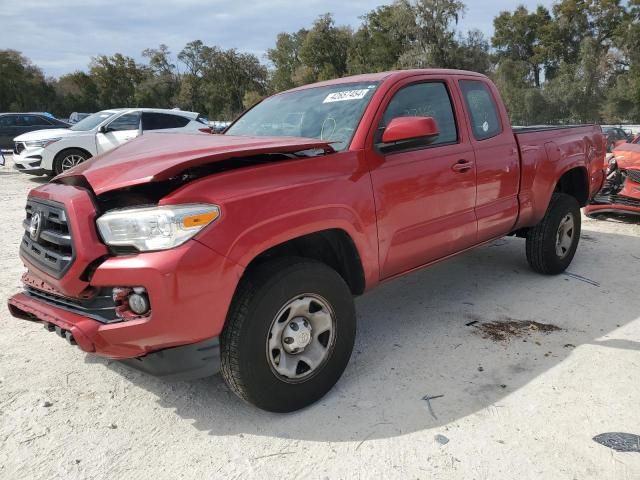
column 101, row 308
column 187, row 362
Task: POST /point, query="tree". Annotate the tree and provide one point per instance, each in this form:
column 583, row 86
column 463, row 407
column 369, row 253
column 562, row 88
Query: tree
column 116, row 78
column 385, row 34
column 192, row 56
column 22, row 84
column 227, row 77
column 472, row 53
column 517, row 36
column 76, row 92
column 286, row 60
column 434, row 44
column 160, row 84
column 325, row 48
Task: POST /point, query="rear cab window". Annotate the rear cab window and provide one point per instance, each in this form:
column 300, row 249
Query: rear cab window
column 426, row 99
column 481, row 108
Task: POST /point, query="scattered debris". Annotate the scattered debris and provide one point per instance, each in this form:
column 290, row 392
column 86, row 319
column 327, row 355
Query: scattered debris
column 47, row 404
column 279, row 454
column 441, row 439
column 618, row 441
column 569, row 345
column 503, row 386
column 471, row 323
column 30, row 439
column 428, row 399
column 502, row 330
column 113, row 426
column 480, row 368
column 582, row 279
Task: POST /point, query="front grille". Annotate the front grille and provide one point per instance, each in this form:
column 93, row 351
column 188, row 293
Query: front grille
column 47, row 241
column 634, row 175
column 616, row 200
column 18, row 148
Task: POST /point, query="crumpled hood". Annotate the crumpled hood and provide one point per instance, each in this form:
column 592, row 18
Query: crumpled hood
column 627, row 156
column 159, row 156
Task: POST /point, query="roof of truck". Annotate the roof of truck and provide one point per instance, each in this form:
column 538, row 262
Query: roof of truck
column 381, row 76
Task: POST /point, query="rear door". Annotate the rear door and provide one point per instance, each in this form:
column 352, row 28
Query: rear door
column 497, row 159
column 424, row 195
column 124, row 128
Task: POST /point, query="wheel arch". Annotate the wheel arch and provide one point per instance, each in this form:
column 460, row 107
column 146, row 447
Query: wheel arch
column 575, row 182
column 333, row 247
column 58, row 156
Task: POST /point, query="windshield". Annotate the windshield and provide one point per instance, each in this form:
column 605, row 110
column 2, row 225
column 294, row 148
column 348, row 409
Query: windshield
column 328, row 113
column 92, row 121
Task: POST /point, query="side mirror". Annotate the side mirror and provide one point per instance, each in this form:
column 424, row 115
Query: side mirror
column 422, row 130
column 104, row 129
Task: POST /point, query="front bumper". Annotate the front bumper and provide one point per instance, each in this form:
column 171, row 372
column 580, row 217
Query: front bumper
column 190, row 289
column 35, row 161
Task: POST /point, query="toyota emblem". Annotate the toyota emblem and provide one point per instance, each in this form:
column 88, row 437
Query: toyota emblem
column 35, row 226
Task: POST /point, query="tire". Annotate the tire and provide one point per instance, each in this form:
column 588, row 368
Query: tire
column 67, row 159
column 248, row 363
column 549, row 251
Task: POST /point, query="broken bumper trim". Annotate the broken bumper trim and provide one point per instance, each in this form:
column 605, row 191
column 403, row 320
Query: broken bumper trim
column 187, row 362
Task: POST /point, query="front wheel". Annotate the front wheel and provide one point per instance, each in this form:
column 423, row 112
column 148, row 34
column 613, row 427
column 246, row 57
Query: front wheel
column 68, row 159
column 552, row 243
column 289, row 334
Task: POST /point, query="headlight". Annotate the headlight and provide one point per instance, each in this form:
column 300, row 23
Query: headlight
column 155, row 228
column 41, row 143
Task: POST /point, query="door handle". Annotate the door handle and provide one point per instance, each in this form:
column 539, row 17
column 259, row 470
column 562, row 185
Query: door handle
column 462, row 166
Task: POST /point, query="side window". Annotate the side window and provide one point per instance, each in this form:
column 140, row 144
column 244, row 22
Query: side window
column 159, row 121
column 34, row 121
column 423, row 100
column 8, row 121
column 485, row 121
column 128, row 121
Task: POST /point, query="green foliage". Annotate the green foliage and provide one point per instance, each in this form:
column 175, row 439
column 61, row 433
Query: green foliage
column 579, row 62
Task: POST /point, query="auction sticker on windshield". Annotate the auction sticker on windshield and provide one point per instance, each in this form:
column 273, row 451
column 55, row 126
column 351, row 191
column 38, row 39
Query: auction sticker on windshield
column 346, row 95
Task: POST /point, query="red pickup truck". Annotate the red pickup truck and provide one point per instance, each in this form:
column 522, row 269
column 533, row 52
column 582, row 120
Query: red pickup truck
column 184, row 255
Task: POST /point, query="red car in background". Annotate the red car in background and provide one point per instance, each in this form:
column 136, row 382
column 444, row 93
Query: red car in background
column 621, row 191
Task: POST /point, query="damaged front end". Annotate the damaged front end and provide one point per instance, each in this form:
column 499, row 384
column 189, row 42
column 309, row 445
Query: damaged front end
column 620, row 193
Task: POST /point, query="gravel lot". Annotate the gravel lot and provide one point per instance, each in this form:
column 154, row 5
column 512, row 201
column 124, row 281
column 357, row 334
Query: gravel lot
column 523, row 407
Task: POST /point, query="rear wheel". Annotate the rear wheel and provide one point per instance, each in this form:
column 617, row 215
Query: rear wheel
column 289, row 334
column 552, row 243
column 68, row 159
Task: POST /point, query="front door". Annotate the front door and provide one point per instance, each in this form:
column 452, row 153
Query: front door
column 425, row 195
column 119, row 131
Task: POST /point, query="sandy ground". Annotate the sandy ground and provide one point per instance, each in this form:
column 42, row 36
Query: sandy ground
column 520, row 408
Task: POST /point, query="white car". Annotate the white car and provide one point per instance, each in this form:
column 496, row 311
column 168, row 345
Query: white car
column 53, row 151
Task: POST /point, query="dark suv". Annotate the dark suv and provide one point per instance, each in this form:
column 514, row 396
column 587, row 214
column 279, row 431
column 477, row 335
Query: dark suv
column 14, row 124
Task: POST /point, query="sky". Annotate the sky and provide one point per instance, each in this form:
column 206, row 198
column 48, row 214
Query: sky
column 61, row 36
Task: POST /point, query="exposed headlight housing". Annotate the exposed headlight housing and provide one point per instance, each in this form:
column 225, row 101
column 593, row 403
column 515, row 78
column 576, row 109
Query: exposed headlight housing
column 40, row 143
column 155, row 228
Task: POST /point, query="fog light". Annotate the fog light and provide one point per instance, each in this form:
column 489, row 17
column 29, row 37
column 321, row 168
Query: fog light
column 139, row 302
column 131, row 303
